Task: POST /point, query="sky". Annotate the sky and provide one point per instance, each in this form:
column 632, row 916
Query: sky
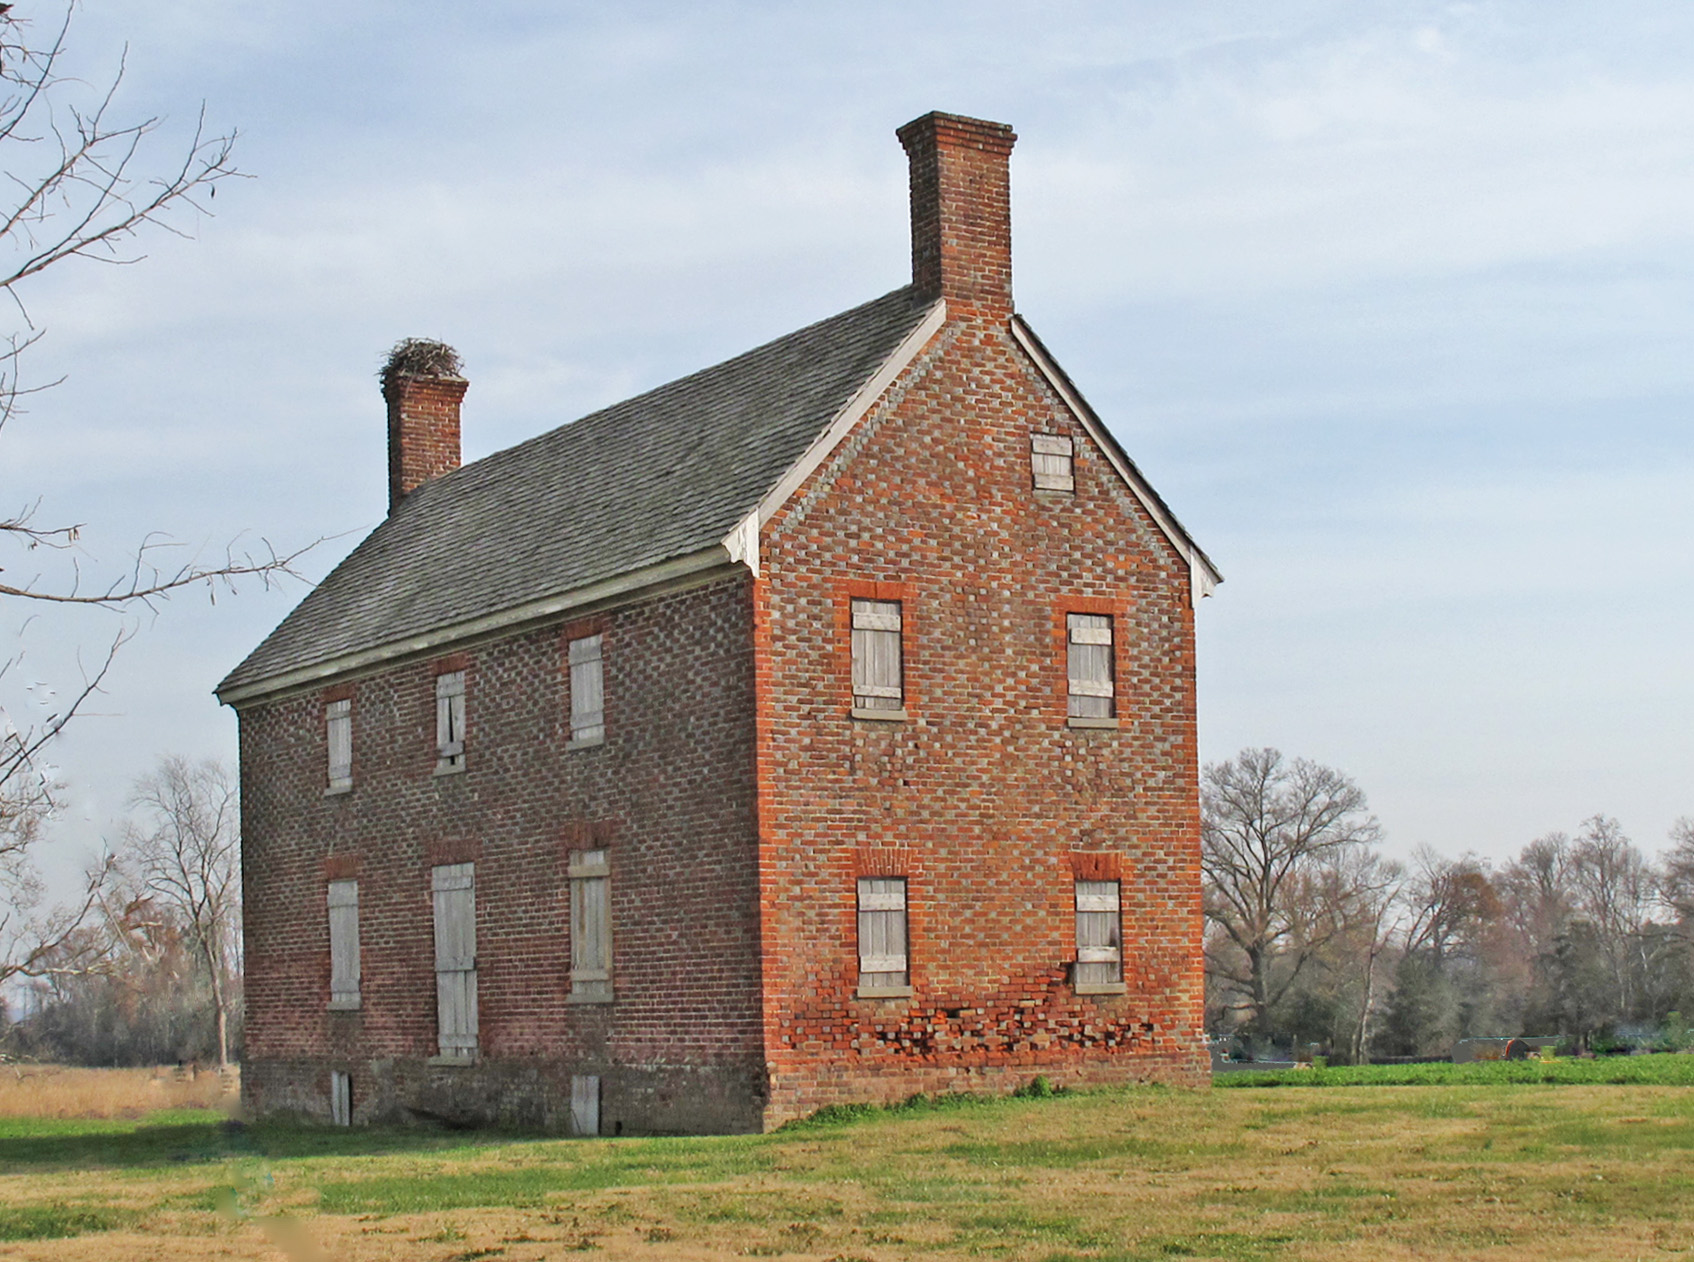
column 1392, row 302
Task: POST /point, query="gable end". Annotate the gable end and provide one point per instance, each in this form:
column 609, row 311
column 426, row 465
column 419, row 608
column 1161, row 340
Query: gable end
column 1203, row 575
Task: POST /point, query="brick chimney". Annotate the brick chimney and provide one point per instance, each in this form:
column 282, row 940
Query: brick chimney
column 423, row 388
column 961, row 211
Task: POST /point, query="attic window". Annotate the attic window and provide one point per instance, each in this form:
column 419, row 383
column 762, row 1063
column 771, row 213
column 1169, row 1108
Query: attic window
column 1050, row 460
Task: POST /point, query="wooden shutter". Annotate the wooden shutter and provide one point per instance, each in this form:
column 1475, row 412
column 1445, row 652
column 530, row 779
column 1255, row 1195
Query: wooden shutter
column 588, row 690
column 340, row 1098
column 454, row 887
column 1099, row 933
column 338, row 721
column 877, row 667
column 585, row 1104
column 343, row 944
column 882, row 931
column 1050, row 457
column 450, row 718
column 591, row 926
column 1089, row 664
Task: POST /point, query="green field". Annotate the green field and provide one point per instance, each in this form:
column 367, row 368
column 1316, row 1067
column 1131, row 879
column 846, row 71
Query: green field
column 1469, row 1167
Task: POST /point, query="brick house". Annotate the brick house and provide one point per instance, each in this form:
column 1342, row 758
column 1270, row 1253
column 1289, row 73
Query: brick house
column 818, row 727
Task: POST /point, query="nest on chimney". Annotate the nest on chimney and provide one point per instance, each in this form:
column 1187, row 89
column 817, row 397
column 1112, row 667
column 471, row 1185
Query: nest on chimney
column 419, row 357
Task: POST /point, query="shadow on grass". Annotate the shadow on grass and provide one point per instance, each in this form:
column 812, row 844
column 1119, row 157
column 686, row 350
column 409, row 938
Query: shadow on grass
column 46, row 1145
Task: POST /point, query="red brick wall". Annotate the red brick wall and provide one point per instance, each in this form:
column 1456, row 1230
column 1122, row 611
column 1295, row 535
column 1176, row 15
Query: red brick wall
column 669, row 794
column 986, row 792
column 961, row 211
column 423, row 430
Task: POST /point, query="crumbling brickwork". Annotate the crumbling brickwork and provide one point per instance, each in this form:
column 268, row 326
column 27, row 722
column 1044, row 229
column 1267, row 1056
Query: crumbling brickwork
column 995, row 803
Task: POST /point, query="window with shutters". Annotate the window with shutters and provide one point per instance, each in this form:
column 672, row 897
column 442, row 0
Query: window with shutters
column 450, row 721
column 591, row 927
column 1050, row 459
column 1099, row 938
column 343, row 946
column 454, row 888
column 1089, row 665
column 878, row 683
column 338, row 730
column 588, row 691
column 883, row 966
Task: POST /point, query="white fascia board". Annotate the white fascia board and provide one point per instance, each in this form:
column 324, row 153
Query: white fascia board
column 850, row 415
column 695, row 566
column 1203, row 576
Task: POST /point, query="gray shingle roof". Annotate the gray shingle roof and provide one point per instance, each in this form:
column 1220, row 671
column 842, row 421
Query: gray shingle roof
column 659, row 476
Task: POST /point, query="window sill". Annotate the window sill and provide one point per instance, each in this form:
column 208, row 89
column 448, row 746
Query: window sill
column 1100, row 988
column 586, row 742
column 884, row 716
column 449, row 768
column 1105, row 725
column 336, row 790
column 344, row 1005
column 578, row 997
column 460, row 1061
column 884, row 992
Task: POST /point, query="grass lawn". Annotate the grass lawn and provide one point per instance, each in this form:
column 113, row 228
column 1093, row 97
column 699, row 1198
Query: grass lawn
column 1458, row 1170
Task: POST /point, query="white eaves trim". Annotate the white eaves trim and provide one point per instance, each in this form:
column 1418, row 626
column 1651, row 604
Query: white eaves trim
column 848, row 417
column 1203, row 576
column 679, row 571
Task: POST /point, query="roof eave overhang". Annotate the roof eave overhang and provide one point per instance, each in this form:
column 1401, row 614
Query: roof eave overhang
column 688, row 570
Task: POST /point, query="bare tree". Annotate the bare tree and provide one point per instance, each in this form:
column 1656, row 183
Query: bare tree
column 1678, row 877
column 1270, row 827
column 185, row 849
column 1449, row 902
column 82, row 181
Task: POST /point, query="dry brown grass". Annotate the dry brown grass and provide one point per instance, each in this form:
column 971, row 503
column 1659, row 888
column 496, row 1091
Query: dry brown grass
column 1479, row 1174
column 69, row 1092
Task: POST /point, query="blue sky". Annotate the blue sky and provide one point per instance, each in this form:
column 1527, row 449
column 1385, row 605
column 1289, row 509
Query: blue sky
column 1392, row 301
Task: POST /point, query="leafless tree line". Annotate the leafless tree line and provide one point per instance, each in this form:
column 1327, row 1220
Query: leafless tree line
column 151, row 970
column 82, row 181
column 1314, row 937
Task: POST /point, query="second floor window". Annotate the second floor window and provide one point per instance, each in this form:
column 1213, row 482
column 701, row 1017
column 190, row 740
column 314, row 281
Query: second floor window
column 338, row 728
column 450, row 721
column 1089, row 665
column 588, row 691
column 878, row 682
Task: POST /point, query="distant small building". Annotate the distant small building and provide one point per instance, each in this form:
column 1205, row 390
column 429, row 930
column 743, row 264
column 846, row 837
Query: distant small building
column 817, row 728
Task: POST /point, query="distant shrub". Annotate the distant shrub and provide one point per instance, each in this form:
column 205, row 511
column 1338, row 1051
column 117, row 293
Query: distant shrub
column 1664, row 1070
